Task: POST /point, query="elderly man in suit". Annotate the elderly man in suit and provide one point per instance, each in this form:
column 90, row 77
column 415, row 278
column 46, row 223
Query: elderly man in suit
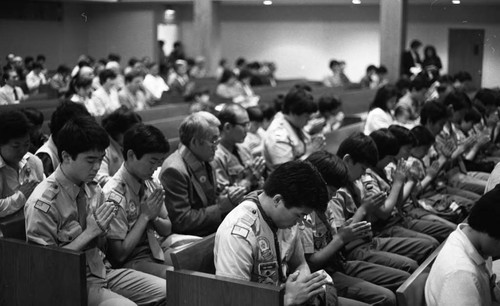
column 194, row 204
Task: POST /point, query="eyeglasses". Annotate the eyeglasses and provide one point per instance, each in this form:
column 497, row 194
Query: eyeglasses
column 214, row 142
column 245, row 125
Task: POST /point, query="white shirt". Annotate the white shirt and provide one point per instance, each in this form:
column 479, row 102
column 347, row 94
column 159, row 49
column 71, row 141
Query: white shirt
column 7, row 95
column 33, row 81
column 156, row 85
column 459, row 275
column 104, row 102
column 377, row 119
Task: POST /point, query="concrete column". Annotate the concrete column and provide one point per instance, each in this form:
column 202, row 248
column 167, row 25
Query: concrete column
column 207, row 33
column 393, row 24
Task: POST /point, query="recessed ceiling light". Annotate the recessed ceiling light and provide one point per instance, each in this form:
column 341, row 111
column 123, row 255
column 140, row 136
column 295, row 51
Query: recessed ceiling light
column 356, row 1
column 455, row 1
column 267, row 2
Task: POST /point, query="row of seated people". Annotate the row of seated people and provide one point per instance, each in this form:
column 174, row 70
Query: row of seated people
column 193, row 199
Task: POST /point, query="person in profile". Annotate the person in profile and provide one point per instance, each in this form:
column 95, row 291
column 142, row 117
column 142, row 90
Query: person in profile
column 462, row 272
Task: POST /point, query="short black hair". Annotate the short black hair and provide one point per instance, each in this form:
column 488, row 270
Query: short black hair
column 328, row 103
column 119, row 121
column 422, row 136
column 34, row 115
column 331, row 167
column 79, row 135
column 299, row 101
column 13, row 124
column 66, row 111
column 472, row 115
column 387, row 144
column 143, row 139
column 402, row 134
column 255, row 114
column 244, row 74
column 462, row 76
column 371, row 68
column 268, row 111
column 300, row 185
column 240, row 61
column 485, row 214
column 113, row 57
column 458, row 100
column 382, row 96
column 382, row 69
column 419, row 83
column 132, row 74
column 433, row 112
column 415, row 43
column 105, row 75
column 488, row 97
column 333, row 63
column 361, row 148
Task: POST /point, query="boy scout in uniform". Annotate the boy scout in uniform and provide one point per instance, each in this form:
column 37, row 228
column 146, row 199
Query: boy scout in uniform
column 258, row 240
column 141, row 211
column 67, row 210
column 20, row 171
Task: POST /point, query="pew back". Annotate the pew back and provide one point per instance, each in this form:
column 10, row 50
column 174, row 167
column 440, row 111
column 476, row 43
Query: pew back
column 38, row 275
column 193, row 281
column 13, row 226
column 411, row 292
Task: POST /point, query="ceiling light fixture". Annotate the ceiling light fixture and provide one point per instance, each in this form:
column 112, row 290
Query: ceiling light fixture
column 267, row 2
column 356, row 1
column 455, row 1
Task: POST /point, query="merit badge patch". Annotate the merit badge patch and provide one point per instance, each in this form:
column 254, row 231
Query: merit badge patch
column 265, row 248
column 240, row 231
column 42, row 206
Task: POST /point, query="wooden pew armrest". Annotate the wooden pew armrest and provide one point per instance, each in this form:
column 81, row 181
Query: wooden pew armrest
column 192, row 288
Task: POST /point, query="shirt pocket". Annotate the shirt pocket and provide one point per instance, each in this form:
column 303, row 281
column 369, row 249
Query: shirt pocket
column 69, row 232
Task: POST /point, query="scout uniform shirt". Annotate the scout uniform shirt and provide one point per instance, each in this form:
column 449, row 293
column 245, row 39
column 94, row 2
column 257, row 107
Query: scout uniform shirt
column 11, row 199
column 128, row 193
column 112, row 161
column 53, row 218
column 50, row 149
column 284, row 142
column 229, row 168
column 245, row 247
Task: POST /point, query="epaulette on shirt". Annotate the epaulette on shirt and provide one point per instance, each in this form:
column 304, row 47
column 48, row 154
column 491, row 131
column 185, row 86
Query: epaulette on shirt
column 244, row 224
column 117, row 194
column 47, row 198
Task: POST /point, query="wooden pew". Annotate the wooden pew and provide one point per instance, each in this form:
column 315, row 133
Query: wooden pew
column 38, row 275
column 334, row 138
column 193, row 282
column 411, row 292
column 13, row 226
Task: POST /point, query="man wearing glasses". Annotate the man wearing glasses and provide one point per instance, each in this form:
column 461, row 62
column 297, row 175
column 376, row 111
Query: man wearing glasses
column 233, row 163
column 194, row 204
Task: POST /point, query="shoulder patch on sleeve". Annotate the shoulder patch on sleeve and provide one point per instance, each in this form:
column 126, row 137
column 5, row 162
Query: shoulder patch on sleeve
column 115, row 197
column 240, row 231
column 41, row 205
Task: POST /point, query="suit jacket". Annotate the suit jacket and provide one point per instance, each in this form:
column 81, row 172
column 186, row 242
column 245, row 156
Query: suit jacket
column 190, row 194
column 407, row 62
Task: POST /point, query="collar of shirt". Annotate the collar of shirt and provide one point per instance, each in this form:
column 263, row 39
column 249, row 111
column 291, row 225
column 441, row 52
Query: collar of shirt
column 21, row 164
column 469, row 248
column 69, row 187
column 191, row 160
column 129, row 179
column 116, row 146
